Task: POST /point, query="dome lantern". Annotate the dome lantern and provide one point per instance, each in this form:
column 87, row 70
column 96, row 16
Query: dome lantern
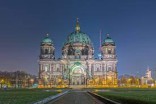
column 77, row 28
column 47, row 40
column 78, row 36
column 108, row 40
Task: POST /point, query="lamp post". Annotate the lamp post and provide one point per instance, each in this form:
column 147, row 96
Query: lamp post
column 51, row 82
column 2, row 82
column 16, row 79
column 86, row 75
column 86, row 81
column 28, row 81
column 32, row 81
column 69, row 75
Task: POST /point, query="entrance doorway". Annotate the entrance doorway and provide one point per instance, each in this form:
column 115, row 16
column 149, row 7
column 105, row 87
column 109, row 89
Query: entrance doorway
column 78, row 76
column 78, row 80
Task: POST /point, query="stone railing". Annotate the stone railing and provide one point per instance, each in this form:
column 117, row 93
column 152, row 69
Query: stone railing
column 46, row 100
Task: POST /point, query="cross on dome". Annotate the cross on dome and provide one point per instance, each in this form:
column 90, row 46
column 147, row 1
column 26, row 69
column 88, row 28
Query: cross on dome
column 77, row 19
column 47, row 35
column 107, row 35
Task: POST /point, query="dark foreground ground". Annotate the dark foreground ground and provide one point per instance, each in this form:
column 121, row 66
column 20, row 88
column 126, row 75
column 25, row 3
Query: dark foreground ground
column 130, row 95
column 122, row 95
column 24, row 96
column 76, row 97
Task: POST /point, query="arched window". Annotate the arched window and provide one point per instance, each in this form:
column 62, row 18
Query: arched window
column 86, row 49
column 70, row 50
column 46, row 51
column 58, row 69
column 82, row 51
column 109, row 68
column 98, row 69
column 52, row 69
column 46, row 68
column 109, row 51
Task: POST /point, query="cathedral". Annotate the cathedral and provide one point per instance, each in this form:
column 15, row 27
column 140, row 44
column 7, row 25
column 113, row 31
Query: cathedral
column 77, row 65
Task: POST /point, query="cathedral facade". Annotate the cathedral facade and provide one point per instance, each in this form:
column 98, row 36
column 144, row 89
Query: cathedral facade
column 77, row 66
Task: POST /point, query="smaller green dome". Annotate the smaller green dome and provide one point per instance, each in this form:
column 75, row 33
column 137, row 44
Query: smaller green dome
column 108, row 40
column 47, row 40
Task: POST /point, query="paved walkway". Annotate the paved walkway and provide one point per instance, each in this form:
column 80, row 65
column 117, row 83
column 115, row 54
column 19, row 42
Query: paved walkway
column 76, row 97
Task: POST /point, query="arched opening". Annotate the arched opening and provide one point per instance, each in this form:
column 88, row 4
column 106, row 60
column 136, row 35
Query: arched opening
column 78, row 75
column 46, row 51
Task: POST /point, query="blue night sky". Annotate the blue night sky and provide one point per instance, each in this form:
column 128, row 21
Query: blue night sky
column 131, row 24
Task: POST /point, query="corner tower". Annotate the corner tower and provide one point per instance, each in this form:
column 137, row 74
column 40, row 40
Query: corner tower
column 47, row 49
column 108, row 49
column 46, row 57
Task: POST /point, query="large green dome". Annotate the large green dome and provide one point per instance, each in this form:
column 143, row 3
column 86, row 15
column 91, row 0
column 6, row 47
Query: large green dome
column 47, row 40
column 78, row 37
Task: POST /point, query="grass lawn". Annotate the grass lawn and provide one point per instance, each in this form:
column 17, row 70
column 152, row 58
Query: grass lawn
column 24, row 96
column 131, row 96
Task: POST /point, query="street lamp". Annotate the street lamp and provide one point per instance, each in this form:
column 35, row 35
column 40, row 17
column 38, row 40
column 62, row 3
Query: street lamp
column 32, row 81
column 69, row 74
column 86, row 82
column 2, row 82
column 28, row 78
